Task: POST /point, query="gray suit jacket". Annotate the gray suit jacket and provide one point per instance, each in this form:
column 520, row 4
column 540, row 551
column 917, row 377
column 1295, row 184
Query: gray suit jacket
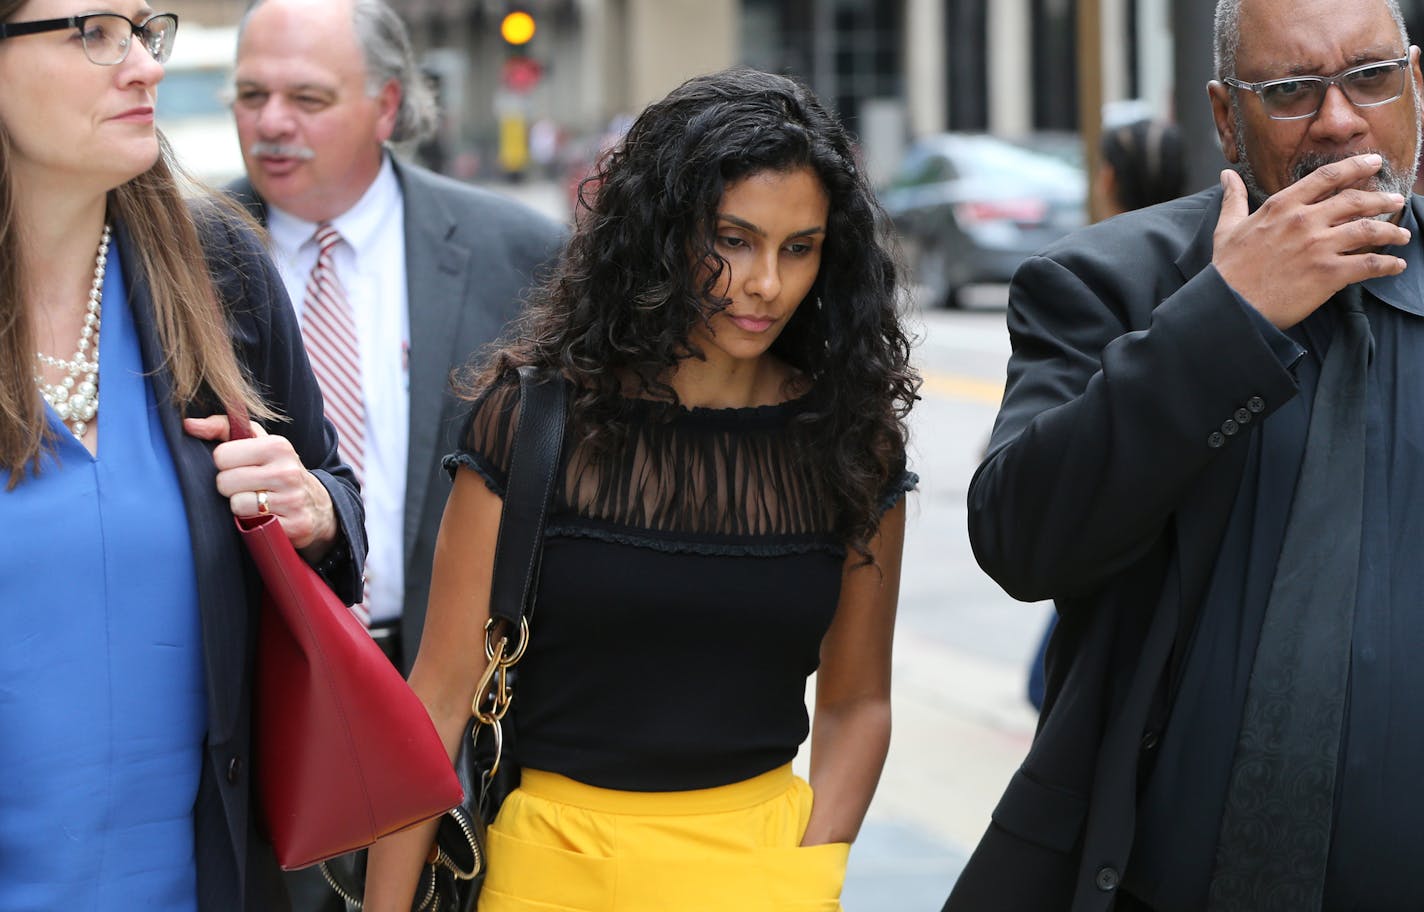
column 470, row 257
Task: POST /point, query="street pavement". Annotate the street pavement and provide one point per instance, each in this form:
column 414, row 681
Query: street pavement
column 961, row 721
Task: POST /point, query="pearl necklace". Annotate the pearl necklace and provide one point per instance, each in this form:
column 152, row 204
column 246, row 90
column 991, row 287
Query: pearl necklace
column 76, row 398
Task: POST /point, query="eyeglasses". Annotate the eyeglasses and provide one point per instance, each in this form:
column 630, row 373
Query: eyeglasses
column 107, row 37
column 1298, row 97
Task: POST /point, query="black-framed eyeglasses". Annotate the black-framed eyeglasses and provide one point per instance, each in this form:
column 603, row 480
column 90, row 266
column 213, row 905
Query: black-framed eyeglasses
column 107, row 37
column 1298, row 97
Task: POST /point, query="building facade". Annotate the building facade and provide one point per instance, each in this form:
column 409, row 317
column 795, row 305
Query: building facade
column 893, row 69
column 205, row 12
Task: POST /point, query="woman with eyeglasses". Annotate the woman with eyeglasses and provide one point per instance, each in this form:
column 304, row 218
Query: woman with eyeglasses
column 130, row 323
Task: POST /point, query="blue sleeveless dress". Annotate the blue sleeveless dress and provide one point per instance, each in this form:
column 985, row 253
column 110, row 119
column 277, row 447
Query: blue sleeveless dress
column 102, row 692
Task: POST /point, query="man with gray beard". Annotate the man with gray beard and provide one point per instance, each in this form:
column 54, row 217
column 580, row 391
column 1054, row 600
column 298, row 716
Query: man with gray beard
column 1209, row 455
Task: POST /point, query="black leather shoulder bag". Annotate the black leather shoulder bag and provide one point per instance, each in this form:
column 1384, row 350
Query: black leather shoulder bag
column 455, row 870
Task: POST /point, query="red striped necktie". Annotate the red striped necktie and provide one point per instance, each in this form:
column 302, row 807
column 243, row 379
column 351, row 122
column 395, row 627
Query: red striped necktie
column 329, row 333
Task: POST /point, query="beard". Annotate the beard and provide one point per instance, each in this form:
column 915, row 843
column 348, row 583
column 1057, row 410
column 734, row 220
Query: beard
column 1389, row 179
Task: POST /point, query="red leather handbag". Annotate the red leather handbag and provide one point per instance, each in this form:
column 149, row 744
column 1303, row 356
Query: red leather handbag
column 345, row 751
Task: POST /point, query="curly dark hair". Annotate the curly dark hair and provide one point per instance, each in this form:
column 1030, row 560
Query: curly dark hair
column 621, row 304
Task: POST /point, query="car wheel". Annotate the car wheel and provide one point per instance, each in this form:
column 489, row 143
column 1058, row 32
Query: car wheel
column 932, row 275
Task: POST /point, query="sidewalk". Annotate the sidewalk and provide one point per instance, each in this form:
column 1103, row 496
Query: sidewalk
column 962, row 727
column 897, row 867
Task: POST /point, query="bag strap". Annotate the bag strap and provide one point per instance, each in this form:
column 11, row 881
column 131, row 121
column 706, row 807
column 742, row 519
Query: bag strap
column 533, row 469
column 238, row 426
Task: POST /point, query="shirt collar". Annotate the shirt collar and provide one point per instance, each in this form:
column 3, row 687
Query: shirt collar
column 1404, row 291
column 358, row 226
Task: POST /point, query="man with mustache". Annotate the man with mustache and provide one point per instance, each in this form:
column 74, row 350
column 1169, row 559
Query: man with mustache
column 1209, row 455
column 397, row 274
column 430, row 269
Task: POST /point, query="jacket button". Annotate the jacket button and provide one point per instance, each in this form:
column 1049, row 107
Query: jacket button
column 1256, row 404
column 1216, row 440
column 1149, row 741
column 1107, row 879
column 1242, row 416
column 234, row 769
column 1229, row 427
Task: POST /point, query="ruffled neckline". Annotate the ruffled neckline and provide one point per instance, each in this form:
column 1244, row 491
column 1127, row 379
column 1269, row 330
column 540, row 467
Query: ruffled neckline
column 775, row 413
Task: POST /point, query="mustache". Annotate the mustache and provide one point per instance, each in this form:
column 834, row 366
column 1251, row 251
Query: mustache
column 281, row 150
column 1386, row 178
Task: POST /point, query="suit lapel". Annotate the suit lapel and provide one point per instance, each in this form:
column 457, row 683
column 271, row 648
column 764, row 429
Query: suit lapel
column 437, row 277
column 242, row 191
column 222, row 593
column 1197, row 254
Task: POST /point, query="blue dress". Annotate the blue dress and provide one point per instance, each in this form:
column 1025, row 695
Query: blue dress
column 102, row 693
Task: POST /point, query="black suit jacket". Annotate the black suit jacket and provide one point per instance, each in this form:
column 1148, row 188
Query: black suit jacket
column 470, row 257
column 1107, row 488
column 236, row 868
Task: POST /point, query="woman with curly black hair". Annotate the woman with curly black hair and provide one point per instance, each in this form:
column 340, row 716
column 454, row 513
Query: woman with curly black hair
column 729, row 518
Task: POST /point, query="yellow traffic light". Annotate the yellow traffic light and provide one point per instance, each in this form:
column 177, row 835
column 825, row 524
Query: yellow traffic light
column 517, row 27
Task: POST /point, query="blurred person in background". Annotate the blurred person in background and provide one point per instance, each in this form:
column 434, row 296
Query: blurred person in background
column 1208, row 456
column 544, row 143
column 730, row 519
column 397, row 274
column 132, row 323
column 1142, row 166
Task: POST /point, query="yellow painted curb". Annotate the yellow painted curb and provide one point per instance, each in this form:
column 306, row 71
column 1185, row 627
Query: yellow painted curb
column 955, row 386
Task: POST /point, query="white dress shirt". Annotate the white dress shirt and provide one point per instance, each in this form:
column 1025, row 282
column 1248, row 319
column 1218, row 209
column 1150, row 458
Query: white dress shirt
column 370, row 263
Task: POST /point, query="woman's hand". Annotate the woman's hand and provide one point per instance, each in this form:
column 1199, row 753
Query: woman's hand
column 263, row 474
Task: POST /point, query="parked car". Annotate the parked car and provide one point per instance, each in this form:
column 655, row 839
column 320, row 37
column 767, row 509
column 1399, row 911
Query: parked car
column 969, row 208
column 1063, row 145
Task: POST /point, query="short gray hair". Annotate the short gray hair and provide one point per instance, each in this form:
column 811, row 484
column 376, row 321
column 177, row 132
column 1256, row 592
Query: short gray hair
column 385, row 43
column 1226, row 33
column 387, row 53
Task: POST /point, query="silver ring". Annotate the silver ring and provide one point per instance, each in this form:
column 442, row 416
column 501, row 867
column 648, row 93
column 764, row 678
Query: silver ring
column 262, row 508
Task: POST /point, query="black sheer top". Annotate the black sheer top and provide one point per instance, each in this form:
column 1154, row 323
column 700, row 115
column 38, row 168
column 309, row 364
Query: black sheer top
column 688, row 578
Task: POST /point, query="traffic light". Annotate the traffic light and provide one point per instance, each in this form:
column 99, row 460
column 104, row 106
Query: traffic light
column 520, row 72
column 517, row 27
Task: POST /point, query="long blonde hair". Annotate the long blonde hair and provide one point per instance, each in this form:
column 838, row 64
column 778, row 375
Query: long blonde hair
column 192, row 327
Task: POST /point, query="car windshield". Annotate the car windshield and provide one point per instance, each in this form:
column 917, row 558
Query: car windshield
column 982, row 158
column 193, row 93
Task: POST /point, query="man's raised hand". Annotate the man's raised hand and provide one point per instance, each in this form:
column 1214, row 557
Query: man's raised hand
column 1307, row 241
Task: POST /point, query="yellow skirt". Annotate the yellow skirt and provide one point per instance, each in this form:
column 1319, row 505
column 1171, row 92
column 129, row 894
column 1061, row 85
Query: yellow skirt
column 562, row 846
